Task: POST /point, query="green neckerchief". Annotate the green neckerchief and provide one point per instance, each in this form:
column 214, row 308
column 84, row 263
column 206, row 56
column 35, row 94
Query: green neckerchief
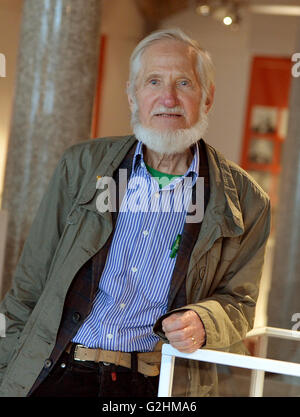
column 162, row 178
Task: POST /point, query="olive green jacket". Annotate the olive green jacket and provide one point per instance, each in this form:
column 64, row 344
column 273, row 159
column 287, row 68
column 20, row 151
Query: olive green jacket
column 223, row 275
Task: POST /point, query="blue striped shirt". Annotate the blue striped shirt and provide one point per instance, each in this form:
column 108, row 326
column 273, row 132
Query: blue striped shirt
column 134, row 286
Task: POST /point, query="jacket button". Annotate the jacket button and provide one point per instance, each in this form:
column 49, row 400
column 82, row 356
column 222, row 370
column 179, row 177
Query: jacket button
column 47, row 363
column 76, row 317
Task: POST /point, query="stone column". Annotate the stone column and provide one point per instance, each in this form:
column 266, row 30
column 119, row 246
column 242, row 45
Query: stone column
column 55, row 86
column 284, row 297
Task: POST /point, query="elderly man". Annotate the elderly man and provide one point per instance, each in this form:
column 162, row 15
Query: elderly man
column 96, row 291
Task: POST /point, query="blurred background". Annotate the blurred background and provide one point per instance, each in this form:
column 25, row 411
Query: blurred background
column 64, row 67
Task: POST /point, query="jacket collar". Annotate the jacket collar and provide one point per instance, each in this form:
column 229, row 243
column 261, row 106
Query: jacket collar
column 113, row 158
column 224, row 206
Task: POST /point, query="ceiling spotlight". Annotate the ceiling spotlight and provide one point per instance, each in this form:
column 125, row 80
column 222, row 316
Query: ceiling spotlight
column 232, row 16
column 224, row 11
column 227, row 20
column 203, row 8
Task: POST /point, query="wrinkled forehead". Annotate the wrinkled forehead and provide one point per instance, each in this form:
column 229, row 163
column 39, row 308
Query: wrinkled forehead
column 169, row 52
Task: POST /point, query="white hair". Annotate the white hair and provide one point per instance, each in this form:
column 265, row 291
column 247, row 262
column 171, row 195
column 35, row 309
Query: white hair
column 204, row 68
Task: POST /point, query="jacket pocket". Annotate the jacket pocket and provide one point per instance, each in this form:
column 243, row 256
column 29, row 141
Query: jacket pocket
column 87, row 202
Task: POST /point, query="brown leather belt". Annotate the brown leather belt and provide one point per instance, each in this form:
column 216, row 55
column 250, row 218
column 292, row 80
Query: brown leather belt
column 148, row 362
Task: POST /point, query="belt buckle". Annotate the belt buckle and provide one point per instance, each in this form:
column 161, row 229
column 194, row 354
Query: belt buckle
column 75, row 352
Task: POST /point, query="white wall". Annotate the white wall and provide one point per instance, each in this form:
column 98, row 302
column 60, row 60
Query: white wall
column 124, row 27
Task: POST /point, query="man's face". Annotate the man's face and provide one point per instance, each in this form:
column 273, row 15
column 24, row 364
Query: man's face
column 168, row 92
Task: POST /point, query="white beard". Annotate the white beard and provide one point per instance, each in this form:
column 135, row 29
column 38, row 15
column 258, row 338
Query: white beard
column 169, row 141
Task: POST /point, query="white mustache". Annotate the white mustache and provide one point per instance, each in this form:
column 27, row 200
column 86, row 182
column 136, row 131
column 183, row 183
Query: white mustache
column 168, row 110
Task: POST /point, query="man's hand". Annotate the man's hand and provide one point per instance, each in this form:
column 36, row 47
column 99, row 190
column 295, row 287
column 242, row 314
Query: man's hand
column 184, row 331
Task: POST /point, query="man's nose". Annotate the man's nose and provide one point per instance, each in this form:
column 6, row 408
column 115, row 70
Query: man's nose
column 169, row 96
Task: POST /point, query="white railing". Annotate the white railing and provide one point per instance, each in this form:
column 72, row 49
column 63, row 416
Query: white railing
column 259, row 365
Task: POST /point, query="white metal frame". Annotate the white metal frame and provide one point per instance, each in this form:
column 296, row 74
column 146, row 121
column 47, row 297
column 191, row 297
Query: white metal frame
column 259, row 365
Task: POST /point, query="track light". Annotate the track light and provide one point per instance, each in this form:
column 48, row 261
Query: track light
column 203, row 8
column 227, row 20
column 224, row 11
column 232, row 19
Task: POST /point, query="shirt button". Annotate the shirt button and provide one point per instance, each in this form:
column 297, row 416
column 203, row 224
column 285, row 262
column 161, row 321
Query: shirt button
column 133, row 269
column 109, row 336
column 156, row 195
column 145, row 233
column 122, row 305
column 47, row 363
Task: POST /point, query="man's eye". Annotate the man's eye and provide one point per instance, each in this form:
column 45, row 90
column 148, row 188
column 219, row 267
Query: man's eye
column 153, row 82
column 184, row 82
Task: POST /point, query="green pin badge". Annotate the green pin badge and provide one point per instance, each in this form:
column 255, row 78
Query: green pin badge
column 175, row 246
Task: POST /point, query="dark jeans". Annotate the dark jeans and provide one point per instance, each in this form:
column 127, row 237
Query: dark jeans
column 70, row 378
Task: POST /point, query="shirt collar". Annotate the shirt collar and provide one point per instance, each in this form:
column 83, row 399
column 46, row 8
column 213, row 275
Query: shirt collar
column 138, row 160
column 138, row 157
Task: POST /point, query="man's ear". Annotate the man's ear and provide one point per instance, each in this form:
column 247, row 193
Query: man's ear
column 210, row 98
column 129, row 96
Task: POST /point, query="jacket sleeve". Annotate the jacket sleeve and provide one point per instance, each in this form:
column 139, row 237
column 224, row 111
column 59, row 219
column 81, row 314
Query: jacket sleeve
column 228, row 312
column 33, row 267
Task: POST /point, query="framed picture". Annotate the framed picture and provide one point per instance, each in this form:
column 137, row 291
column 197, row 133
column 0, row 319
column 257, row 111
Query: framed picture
column 266, row 121
column 261, row 151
